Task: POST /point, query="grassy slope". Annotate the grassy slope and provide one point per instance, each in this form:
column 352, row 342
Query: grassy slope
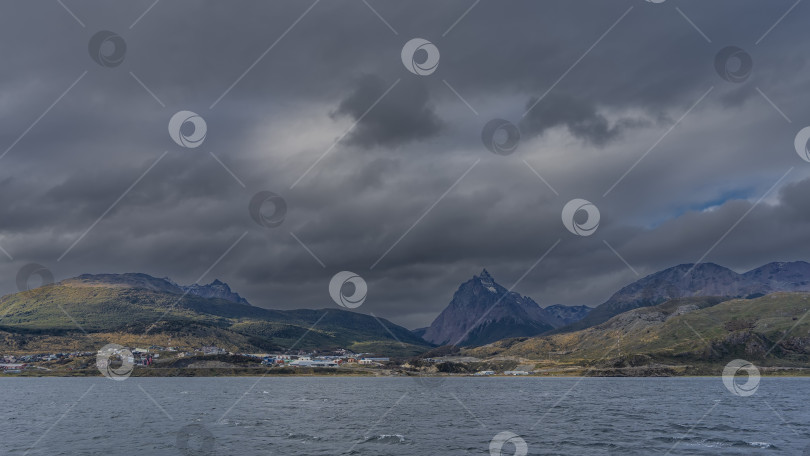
column 710, row 330
column 34, row 321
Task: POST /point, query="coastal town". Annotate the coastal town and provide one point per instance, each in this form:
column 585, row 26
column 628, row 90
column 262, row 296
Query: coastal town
column 211, row 360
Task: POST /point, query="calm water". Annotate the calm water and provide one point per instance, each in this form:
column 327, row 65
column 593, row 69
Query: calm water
column 400, row 416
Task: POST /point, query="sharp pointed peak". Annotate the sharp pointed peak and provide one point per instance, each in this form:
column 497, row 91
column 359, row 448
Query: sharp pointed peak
column 484, row 274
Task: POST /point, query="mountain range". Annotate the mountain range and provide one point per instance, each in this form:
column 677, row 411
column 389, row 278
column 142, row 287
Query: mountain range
column 704, row 279
column 482, row 311
column 215, row 289
column 86, row 312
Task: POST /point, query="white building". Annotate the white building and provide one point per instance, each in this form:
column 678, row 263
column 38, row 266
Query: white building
column 515, row 373
column 308, row 362
column 482, row 373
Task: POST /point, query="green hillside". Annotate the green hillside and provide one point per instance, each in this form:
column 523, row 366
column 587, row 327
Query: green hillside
column 769, row 330
column 56, row 317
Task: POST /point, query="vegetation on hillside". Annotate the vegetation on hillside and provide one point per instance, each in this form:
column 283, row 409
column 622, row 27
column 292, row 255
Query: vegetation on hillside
column 61, row 317
column 697, row 332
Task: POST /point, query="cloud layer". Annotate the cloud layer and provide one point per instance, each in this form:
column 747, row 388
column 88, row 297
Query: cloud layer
column 383, row 171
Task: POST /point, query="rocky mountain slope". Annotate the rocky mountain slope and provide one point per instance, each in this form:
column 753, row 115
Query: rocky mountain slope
column 567, row 314
column 483, row 311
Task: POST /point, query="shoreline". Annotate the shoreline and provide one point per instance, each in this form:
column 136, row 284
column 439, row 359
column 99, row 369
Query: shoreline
column 805, row 373
column 393, row 376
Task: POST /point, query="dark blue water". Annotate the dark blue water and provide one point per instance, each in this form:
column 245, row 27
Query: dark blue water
column 399, row 416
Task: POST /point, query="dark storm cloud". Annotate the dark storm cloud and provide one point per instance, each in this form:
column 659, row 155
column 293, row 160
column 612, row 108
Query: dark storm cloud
column 580, row 118
column 273, row 110
column 405, row 115
column 796, row 201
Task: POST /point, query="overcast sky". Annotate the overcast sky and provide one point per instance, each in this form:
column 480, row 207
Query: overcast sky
column 598, row 90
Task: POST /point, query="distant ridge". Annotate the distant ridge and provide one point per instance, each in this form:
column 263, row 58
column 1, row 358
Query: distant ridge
column 704, row 279
column 215, row 289
column 567, row 314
